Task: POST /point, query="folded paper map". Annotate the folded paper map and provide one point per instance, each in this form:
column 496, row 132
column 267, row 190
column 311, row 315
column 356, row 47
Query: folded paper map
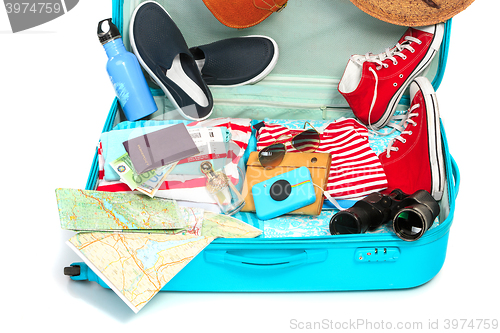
column 223, row 226
column 156, row 238
column 98, row 210
column 137, row 265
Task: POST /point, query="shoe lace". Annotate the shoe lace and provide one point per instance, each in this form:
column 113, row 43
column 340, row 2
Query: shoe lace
column 374, row 99
column 403, row 129
column 378, row 58
column 390, row 54
column 397, row 123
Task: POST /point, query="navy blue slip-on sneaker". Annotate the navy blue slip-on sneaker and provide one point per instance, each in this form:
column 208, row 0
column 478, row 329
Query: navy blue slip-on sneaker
column 163, row 53
column 236, row 61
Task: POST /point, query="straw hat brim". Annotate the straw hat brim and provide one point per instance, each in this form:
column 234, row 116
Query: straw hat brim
column 412, row 13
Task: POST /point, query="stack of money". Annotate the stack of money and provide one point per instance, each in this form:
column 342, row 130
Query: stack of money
column 148, row 182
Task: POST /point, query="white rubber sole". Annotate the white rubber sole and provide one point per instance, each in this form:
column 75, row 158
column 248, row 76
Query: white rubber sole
column 436, row 154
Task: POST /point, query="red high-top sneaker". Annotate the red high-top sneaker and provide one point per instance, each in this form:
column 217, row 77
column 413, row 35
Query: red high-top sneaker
column 414, row 160
column 374, row 84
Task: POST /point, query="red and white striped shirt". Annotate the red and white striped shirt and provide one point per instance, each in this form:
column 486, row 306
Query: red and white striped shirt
column 355, row 170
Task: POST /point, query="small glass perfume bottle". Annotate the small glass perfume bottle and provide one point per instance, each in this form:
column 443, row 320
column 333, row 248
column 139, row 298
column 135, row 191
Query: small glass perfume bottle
column 222, row 190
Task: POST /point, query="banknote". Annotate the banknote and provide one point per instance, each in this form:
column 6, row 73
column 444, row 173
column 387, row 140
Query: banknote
column 123, row 166
column 150, row 186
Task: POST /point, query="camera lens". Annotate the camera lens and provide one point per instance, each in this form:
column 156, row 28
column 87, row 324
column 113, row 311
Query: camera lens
column 345, row 223
column 409, row 224
column 280, row 190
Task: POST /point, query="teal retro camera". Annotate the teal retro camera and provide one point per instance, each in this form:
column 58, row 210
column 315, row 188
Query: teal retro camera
column 283, row 193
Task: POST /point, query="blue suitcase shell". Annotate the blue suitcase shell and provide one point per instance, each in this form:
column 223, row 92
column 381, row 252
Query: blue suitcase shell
column 328, row 263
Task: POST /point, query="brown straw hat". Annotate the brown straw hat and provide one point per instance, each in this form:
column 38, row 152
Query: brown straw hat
column 243, row 13
column 412, row 13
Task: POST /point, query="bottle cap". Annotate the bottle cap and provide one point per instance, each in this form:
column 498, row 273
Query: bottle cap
column 107, row 36
column 207, row 169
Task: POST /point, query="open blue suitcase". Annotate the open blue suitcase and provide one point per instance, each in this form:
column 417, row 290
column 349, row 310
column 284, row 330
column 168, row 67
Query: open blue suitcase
column 316, row 38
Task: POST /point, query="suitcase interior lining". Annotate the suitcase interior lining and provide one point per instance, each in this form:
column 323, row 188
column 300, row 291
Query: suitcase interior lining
column 311, row 23
column 303, row 85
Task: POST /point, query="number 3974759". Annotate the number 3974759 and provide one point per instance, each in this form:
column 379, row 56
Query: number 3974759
column 34, row 8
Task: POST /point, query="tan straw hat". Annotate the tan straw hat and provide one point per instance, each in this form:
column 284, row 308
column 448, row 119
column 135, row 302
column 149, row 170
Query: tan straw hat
column 412, row 13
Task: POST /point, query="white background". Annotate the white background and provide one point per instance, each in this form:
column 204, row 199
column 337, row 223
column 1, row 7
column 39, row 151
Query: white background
column 54, row 98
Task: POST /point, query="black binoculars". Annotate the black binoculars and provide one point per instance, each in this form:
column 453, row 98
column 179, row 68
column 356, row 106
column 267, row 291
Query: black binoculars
column 411, row 215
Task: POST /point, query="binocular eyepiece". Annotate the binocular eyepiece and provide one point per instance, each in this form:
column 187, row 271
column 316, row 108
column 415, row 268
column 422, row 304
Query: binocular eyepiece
column 411, row 215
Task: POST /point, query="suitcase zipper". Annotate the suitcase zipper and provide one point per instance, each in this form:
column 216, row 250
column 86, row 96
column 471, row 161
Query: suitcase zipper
column 309, row 106
column 277, row 91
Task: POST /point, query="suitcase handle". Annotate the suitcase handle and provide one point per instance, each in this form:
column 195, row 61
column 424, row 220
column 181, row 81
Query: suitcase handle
column 304, row 257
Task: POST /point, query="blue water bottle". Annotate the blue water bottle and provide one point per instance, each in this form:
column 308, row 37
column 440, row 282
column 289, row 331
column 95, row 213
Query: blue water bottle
column 126, row 75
